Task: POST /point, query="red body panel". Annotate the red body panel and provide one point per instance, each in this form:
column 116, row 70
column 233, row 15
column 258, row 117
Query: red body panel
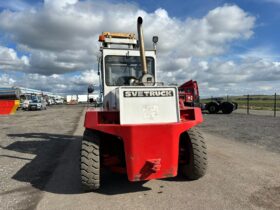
column 8, row 106
column 151, row 150
column 188, row 92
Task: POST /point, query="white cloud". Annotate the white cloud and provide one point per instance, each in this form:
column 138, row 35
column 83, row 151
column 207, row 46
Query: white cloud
column 61, row 37
column 5, row 80
column 246, row 70
column 262, row 52
column 9, row 60
column 212, row 81
column 232, row 77
column 63, row 84
column 213, row 89
column 229, row 22
column 86, row 77
column 54, row 4
column 265, row 87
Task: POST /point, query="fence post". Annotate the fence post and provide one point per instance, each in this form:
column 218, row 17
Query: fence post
column 275, row 105
column 227, row 97
column 248, row 104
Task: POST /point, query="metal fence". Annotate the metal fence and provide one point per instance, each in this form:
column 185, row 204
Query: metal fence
column 266, row 103
column 256, row 102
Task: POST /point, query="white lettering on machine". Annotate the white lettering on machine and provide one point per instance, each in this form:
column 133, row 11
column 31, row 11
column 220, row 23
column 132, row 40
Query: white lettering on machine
column 157, row 93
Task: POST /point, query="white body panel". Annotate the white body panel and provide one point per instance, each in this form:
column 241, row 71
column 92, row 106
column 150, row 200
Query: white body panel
column 147, row 105
column 110, row 91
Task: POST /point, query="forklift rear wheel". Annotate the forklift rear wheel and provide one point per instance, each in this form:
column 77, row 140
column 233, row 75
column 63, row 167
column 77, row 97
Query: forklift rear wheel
column 90, row 161
column 193, row 154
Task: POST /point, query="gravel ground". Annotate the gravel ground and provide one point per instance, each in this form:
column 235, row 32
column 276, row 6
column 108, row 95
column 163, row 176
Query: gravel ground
column 39, row 158
column 258, row 112
column 260, row 130
column 238, row 177
column 31, row 143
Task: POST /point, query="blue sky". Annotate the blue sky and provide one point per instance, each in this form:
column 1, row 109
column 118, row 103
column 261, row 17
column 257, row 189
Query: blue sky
column 229, row 47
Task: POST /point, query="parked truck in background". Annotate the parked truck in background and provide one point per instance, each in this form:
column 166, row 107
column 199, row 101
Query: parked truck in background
column 72, row 99
column 189, row 96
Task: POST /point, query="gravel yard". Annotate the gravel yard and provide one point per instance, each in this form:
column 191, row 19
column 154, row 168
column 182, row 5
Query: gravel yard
column 258, row 112
column 39, row 158
column 31, row 143
column 260, row 130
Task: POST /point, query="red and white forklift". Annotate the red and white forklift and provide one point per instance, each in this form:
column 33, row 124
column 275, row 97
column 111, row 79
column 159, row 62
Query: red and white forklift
column 140, row 130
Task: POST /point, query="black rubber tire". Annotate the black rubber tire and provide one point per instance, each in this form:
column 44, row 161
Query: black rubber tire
column 227, row 107
column 196, row 152
column 90, row 161
column 212, row 107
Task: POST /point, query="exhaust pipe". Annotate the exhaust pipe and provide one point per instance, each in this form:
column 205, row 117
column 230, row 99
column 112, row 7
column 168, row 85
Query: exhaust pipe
column 141, row 43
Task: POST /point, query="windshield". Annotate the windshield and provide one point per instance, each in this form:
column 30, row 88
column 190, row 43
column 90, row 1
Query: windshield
column 120, row 69
column 34, row 99
column 30, row 97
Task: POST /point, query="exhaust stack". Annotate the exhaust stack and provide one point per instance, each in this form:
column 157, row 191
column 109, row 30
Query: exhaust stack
column 141, row 43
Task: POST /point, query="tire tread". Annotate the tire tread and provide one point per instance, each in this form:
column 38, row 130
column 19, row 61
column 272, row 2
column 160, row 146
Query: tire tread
column 90, row 161
column 197, row 168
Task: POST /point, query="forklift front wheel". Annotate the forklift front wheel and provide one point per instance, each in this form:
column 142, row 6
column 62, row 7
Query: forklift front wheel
column 193, row 154
column 90, row 161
